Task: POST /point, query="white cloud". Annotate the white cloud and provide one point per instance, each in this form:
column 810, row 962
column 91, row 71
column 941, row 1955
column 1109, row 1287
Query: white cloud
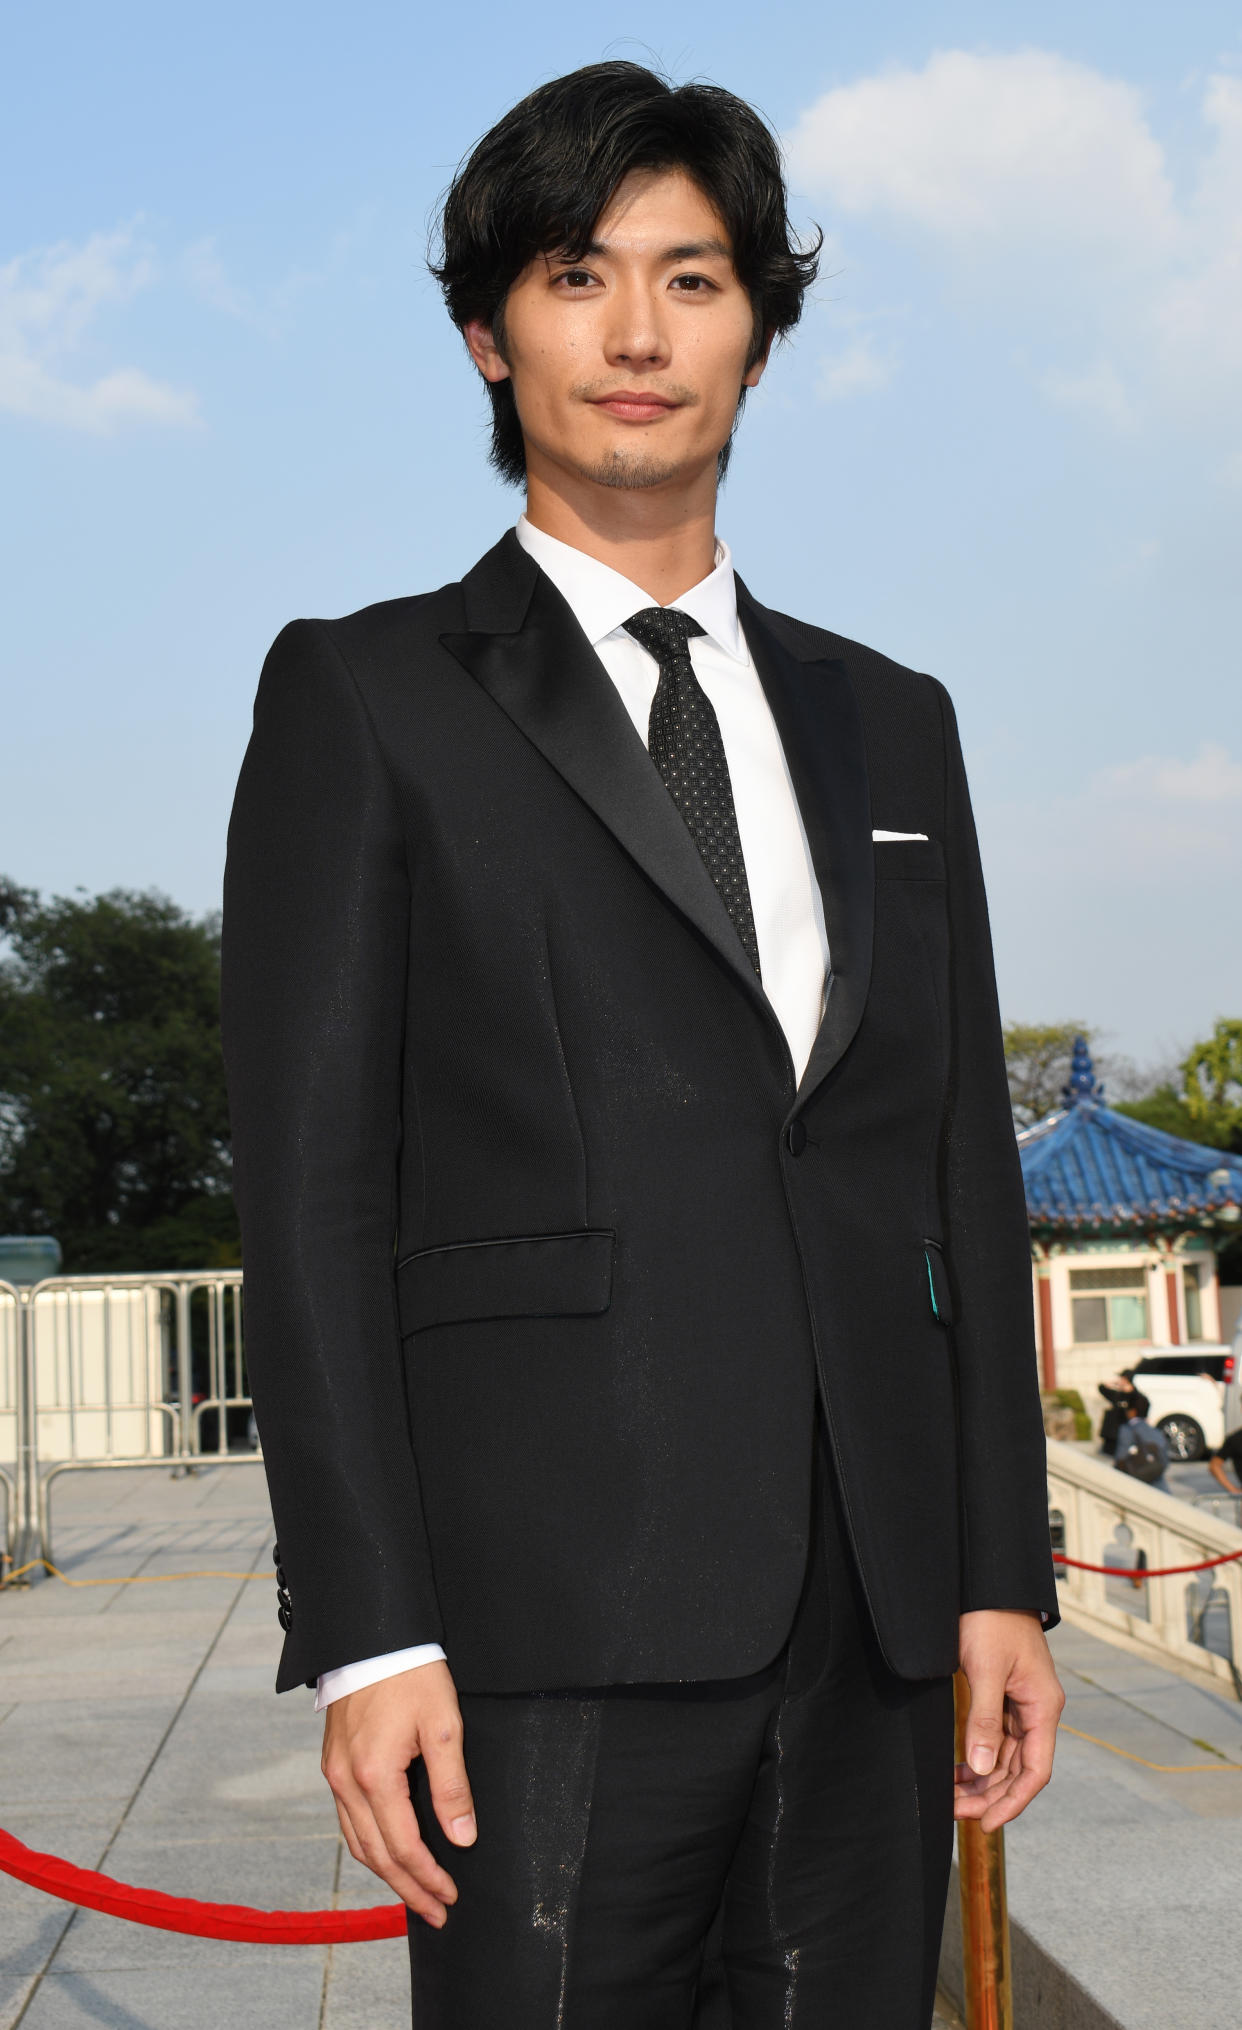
column 855, row 369
column 1158, row 824
column 1041, row 183
column 209, row 279
column 49, row 300
column 1212, row 776
column 1097, row 393
column 269, row 308
column 972, row 145
column 1112, row 897
column 1198, row 314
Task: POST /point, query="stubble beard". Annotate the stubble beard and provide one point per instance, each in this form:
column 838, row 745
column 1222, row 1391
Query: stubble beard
column 631, row 472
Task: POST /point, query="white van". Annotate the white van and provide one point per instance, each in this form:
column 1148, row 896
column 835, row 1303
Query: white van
column 1194, row 1395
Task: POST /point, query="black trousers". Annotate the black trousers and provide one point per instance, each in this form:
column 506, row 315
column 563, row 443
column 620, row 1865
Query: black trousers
column 762, row 1853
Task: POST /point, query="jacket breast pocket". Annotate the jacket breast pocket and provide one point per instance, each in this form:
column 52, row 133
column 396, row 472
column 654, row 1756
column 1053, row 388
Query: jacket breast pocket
column 563, row 1275
column 909, row 859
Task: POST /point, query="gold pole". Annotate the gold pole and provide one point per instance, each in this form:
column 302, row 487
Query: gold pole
column 987, row 1979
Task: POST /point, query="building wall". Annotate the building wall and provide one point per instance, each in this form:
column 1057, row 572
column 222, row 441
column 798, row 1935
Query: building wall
column 1083, row 1364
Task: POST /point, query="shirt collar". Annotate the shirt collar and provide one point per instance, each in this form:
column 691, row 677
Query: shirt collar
column 603, row 599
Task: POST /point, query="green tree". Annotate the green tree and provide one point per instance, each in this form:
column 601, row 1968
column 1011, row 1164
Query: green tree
column 1037, row 1058
column 1207, row 1107
column 1163, row 1107
column 113, row 1115
column 1212, row 1082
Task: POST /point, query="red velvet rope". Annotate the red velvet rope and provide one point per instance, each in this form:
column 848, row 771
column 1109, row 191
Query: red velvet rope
column 1141, row 1571
column 201, row 1920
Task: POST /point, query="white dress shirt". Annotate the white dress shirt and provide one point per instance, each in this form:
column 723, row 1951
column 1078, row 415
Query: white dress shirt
column 784, row 893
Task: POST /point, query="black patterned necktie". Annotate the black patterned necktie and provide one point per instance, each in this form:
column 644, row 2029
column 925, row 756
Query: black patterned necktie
column 683, row 739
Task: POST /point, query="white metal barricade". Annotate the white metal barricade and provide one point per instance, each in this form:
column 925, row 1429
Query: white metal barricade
column 111, row 1371
column 10, row 1339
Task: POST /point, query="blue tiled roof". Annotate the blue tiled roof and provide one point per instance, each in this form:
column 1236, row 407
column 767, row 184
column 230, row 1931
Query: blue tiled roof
column 1088, row 1167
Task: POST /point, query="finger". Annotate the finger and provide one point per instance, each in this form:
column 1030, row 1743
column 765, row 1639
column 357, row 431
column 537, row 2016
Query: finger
column 967, row 1784
column 985, row 1722
column 971, row 1800
column 347, row 1830
column 445, row 1761
column 1010, row 1754
column 398, row 1828
column 1009, row 1750
column 426, row 1890
column 1001, row 1797
column 1029, row 1778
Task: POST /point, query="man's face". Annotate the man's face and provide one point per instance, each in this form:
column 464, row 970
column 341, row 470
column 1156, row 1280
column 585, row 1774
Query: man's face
column 627, row 366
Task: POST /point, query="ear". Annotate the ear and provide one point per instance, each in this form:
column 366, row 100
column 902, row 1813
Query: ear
column 484, row 350
column 754, row 374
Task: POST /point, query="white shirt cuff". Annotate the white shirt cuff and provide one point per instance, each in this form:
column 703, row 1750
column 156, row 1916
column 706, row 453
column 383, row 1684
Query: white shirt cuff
column 351, row 1677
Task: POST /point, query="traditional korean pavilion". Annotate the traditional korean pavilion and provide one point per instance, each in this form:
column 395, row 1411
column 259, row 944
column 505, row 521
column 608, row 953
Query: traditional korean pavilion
column 1125, row 1223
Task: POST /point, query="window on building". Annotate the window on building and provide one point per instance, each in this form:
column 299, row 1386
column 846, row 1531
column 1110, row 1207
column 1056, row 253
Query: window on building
column 1109, row 1304
column 1194, row 1300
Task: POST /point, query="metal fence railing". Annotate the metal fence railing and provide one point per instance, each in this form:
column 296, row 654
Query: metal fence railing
column 1106, row 1518
column 103, row 1372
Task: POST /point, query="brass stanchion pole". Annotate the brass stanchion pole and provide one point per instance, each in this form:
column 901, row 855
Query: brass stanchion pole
column 987, row 1979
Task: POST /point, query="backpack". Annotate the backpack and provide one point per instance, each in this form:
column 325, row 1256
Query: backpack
column 1142, row 1461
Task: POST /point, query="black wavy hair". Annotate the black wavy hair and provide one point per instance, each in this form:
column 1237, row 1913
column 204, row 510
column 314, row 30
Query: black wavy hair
column 538, row 180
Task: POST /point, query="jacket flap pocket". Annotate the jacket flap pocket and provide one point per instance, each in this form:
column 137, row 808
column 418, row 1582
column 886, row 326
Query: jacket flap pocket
column 938, row 1290
column 909, row 859
column 531, row 1276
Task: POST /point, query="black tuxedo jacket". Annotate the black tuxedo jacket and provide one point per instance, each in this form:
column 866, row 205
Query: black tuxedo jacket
column 546, row 1255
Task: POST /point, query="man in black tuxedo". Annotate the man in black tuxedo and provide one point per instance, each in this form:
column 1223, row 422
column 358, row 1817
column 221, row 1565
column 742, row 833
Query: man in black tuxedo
column 627, row 1177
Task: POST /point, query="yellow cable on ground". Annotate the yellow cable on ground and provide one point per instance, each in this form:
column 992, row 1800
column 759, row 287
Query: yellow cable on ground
column 1162, row 1768
column 136, row 1579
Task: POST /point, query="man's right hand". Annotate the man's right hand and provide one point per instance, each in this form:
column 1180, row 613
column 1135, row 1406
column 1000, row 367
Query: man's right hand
column 370, row 1737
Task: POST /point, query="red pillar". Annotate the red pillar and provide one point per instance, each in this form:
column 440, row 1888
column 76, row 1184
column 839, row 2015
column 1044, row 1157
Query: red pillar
column 1170, row 1290
column 1047, row 1351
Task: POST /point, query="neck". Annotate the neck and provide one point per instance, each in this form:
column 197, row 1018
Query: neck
column 664, row 542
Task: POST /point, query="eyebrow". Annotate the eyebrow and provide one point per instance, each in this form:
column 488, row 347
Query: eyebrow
column 689, row 250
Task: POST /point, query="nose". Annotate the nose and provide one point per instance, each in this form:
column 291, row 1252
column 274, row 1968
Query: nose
column 635, row 335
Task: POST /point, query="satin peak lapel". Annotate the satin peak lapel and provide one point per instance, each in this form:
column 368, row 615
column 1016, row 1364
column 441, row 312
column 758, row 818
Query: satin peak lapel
column 816, row 712
column 528, row 652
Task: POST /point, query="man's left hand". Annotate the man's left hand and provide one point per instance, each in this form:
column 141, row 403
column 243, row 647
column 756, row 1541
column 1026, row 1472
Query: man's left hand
column 1015, row 1704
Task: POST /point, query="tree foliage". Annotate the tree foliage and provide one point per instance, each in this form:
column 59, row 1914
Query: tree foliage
column 1206, row 1106
column 1037, row 1058
column 113, row 1114
column 1212, row 1084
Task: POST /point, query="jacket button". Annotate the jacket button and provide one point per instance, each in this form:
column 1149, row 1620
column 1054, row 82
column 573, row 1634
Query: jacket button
column 285, row 1618
column 795, row 1138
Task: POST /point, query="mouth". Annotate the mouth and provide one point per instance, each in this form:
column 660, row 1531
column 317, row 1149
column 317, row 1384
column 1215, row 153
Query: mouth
column 635, row 407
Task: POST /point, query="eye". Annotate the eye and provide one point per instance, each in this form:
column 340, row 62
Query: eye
column 576, row 278
column 692, row 285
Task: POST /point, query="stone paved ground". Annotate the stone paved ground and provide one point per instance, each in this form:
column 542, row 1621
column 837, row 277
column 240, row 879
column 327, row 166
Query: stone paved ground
column 139, row 1734
column 1128, row 1869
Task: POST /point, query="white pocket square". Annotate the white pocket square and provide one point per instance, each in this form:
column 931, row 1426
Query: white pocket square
column 882, row 838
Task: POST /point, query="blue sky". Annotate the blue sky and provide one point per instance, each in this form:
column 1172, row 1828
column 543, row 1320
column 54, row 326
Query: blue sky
column 1005, row 444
